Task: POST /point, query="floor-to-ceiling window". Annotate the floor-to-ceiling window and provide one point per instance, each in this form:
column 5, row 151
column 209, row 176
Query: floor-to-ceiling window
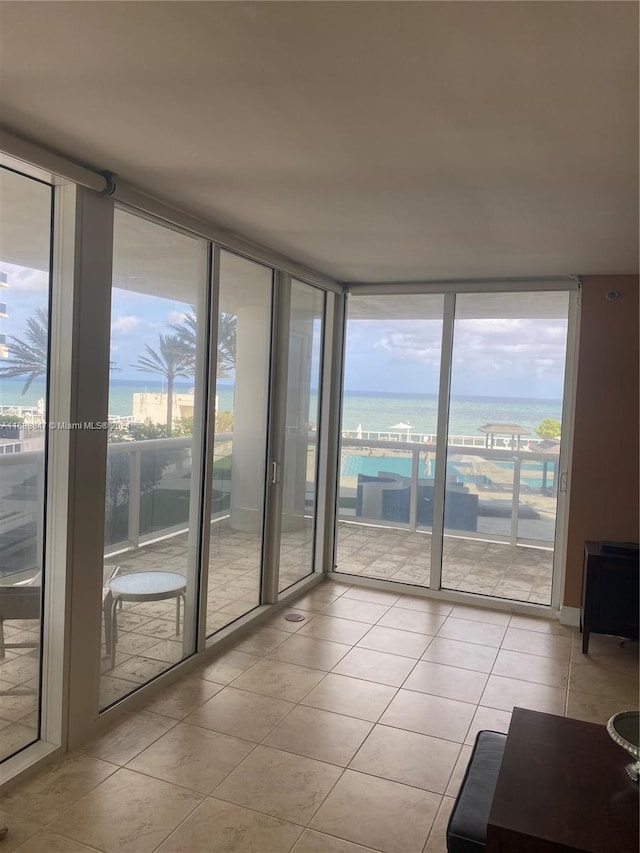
column 154, row 459
column 25, row 247
column 389, row 430
column 300, row 464
column 477, row 467
column 190, row 334
column 240, row 448
column 507, row 379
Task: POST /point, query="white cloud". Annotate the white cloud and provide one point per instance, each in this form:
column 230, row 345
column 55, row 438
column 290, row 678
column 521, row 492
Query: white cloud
column 516, row 347
column 25, row 280
column 411, row 345
column 176, row 316
column 126, row 323
column 483, row 347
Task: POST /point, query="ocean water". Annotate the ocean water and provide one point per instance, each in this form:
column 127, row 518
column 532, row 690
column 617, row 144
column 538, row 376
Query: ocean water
column 373, row 411
column 380, row 411
column 121, row 392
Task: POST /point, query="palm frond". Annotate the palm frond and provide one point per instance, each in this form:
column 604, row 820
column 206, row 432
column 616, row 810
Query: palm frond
column 187, row 335
column 169, row 360
column 29, row 357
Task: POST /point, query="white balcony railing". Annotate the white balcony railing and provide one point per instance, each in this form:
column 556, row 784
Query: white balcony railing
column 149, row 482
column 514, row 488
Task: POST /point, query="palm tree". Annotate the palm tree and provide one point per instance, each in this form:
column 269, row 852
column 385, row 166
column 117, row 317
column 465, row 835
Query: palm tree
column 29, row 357
column 186, row 332
column 226, row 344
column 170, row 361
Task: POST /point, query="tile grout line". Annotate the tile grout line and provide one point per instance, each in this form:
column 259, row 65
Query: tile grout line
column 375, row 724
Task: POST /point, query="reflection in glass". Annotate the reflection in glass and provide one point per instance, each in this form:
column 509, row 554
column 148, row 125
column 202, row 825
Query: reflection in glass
column 299, row 471
column 239, row 468
column 158, row 322
column 25, row 238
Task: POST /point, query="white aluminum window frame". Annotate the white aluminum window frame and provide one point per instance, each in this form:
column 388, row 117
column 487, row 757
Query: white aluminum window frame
column 450, row 289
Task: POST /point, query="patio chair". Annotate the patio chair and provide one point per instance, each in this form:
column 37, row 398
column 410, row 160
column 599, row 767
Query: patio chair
column 19, row 601
column 22, row 601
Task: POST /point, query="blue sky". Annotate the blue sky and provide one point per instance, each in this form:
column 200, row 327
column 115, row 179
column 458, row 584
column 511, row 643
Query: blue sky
column 492, row 357
column 137, row 319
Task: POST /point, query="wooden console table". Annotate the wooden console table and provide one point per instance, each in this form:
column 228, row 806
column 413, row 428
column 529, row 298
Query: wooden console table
column 562, row 788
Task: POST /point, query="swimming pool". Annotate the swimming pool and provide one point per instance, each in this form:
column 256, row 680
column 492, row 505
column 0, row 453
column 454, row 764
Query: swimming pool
column 371, row 465
column 531, row 472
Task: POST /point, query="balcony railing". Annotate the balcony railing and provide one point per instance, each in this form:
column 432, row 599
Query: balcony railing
column 429, row 438
column 21, row 513
column 504, row 495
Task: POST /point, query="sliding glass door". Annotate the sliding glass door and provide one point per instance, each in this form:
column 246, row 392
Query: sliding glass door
column 478, row 466
column 300, row 461
column 239, row 488
column 507, row 379
column 25, row 246
column 154, row 458
column 192, row 336
column 389, row 436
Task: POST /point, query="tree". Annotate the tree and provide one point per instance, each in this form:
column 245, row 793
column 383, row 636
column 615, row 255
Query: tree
column 186, row 333
column 170, row 361
column 227, row 324
column 183, row 426
column 29, row 357
column 548, row 429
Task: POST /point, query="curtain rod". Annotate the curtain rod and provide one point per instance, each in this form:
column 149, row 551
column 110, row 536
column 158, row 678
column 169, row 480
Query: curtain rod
column 568, row 281
column 108, row 184
column 24, row 150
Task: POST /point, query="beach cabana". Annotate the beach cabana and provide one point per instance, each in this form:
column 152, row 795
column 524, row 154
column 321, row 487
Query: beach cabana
column 515, row 431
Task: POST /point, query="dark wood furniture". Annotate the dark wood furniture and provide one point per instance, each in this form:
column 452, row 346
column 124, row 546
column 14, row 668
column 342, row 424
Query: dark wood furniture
column 610, row 592
column 562, row 788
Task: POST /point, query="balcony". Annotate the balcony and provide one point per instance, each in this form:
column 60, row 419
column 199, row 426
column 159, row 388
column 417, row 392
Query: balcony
column 499, row 514
column 493, row 498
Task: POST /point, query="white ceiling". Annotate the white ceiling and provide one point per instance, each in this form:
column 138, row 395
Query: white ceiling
column 371, row 141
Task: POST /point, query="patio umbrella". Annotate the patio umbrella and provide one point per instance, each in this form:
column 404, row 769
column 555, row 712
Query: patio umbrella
column 359, row 431
column 402, row 425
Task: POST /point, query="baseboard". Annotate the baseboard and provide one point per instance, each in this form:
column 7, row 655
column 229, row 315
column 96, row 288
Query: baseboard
column 570, row 616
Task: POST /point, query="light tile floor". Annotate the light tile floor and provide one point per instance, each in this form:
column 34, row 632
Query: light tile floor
column 148, row 644
column 319, row 736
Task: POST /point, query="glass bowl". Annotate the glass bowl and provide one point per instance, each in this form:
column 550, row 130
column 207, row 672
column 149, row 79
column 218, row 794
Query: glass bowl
column 624, row 729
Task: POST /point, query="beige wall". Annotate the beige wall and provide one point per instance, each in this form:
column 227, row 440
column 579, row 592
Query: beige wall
column 604, row 471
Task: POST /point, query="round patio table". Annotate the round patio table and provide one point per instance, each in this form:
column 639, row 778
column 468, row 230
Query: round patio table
column 139, row 586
